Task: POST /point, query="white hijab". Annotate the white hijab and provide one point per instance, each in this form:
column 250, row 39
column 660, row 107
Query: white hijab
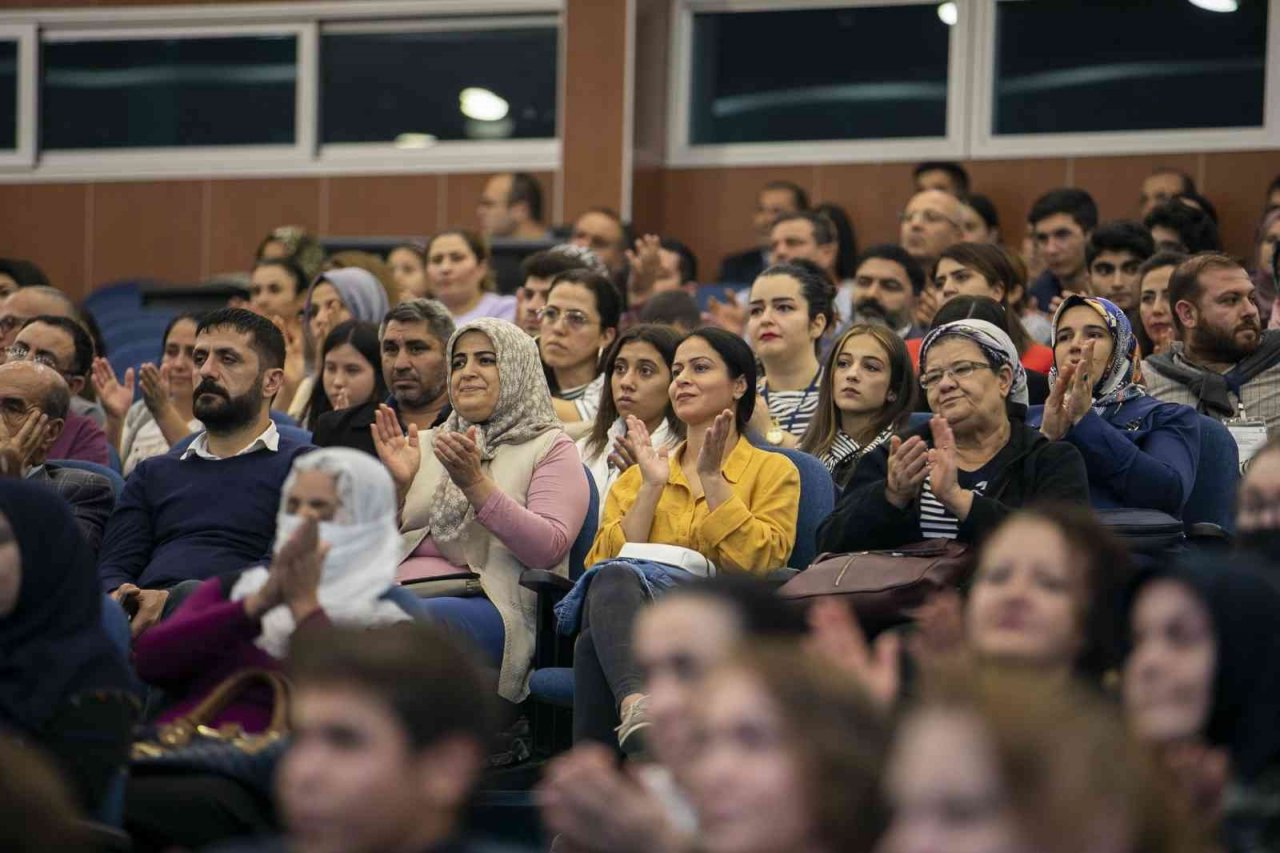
column 364, row 547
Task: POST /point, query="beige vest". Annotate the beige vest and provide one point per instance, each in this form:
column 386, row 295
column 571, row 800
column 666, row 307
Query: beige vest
column 511, row 470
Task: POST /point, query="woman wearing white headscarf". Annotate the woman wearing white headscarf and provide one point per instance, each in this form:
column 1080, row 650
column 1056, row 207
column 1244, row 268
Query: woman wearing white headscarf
column 497, row 489
column 974, row 462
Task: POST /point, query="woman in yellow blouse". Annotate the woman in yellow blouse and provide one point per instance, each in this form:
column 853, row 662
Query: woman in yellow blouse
column 714, row 494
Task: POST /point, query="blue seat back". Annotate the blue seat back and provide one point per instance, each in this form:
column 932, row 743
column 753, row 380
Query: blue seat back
column 281, row 419
column 117, row 482
column 817, row 500
column 587, row 535
column 916, row 420
column 1213, row 495
column 706, row 292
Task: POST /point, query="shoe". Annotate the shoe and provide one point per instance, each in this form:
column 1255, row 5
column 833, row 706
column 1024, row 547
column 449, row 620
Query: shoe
column 635, row 720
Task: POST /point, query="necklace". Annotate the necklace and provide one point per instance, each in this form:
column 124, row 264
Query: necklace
column 776, row 430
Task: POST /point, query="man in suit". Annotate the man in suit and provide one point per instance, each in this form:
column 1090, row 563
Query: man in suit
column 34, row 402
column 414, row 336
column 777, row 198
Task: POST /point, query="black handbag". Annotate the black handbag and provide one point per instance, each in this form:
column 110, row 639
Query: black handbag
column 190, row 744
column 1144, row 531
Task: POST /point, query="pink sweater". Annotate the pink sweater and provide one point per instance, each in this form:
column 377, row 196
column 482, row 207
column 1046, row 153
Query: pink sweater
column 539, row 534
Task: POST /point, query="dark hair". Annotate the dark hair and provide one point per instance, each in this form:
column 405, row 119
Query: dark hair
column 1077, row 204
column 624, row 227
column 898, row 255
column 1194, row 199
column 478, row 245
column 997, row 266
column 985, row 208
column 740, row 361
column 363, row 337
column 549, row 264
column 1160, row 260
column 687, row 259
column 429, row 683
column 525, row 188
column 190, row 316
column 1188, row 183
column 824, row 426
column 24, row 273
column 265, row 339
column 662, row 338
column 954, row 170
column 798, row 196
column 824, row 230
column 82, row 360
column 815, row 287
column 438, row 320
column 418, row 248
column 1122, row 235
column 608, row 299
column 1195, row 229
column 1184, row 284
column 290, row 266
column 1273, row 186
column 846, row 238
column 672, row 308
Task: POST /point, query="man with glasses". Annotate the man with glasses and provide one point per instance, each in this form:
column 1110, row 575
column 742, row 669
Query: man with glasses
column 63, row 345
column 1061, row 221
column 539, row 270
column 932, row 221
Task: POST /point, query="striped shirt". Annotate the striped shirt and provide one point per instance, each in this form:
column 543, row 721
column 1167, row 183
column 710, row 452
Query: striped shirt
column 843, row 447
column 936, row 521
column 792, row 410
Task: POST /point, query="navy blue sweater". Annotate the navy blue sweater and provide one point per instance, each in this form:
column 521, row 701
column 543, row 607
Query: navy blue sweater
column 1140, row 454
column 189, row 520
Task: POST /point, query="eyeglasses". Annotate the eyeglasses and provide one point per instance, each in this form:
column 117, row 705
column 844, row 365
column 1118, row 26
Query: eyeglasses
column 12, row 323
column 959, row 370
column 551, row 315
column 22, row 352
column 930, row 217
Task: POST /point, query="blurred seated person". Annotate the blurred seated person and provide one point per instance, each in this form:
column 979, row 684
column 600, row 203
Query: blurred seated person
column 210, row 509
column 1263, row 262
column 296, row 244
column 511, row 206
column 1115, row 253
column 460, row 277
column 657, row 266
column 164, row 415
column 714, row 493
column 1179, row 226
column 334, row 558
column 865, row 396
column 602, row 230
column 1139, row 452
column 412, row 339
column 638, row 372
column 34, row 403
column 539, row 270
column 579, row 322
column 277, row 287
column 674, row 308
column 64, row 346
column 44, row 301
column 775, row 199
column 350, row 372
column 337, row 296
column 1155, row 330
column 391, row 727
column 373, row 264
column 19, row 272
column 1060, row 222
column 1258, row 504
column 976, row 460
column 408, row 263
column 886, row 284
column 980, row 219
column 496, row 489
column 66, row 687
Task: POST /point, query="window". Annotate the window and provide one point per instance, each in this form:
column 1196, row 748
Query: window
column 1074, row 66
column 168, row 92
column 8, row 95
column 865, row 72
column 380, row 86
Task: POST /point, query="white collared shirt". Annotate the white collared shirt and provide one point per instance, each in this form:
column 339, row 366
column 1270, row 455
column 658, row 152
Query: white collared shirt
column 268, row 440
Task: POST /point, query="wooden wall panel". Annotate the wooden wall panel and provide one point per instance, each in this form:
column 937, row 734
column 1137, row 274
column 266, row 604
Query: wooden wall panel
column 592, row 107
column 1013, row 185
column 872, row 193
column 1237, row 186
column 46, row 223
column 1116, row 182
column 384, row 205
column 158, row 226
column 242, row 212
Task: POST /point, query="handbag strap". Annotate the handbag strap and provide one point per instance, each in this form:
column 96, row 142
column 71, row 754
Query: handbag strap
column 232, row 687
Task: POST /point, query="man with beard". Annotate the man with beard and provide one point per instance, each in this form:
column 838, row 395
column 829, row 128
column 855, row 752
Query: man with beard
column 886, row 282
column 1225, row 365
column 414, row 335
column 211, row 508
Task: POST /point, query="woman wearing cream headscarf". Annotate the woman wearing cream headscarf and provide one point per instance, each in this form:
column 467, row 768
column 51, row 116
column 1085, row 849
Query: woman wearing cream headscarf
column 497, row 489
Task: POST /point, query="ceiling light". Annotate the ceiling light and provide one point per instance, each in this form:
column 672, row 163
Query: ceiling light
column 1216, row 5
column 482, row 105
column 948, row 13
column 415, row 140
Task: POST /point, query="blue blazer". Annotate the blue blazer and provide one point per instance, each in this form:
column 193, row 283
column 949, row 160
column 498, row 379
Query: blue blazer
column 1141, row 453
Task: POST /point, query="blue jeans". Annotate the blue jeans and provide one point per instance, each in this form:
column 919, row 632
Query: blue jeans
column 474, row 619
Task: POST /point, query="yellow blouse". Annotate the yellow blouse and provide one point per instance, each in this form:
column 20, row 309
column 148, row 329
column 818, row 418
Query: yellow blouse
column 753, row 531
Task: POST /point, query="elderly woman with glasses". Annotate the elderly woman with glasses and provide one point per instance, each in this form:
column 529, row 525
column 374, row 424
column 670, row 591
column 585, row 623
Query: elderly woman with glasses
column 578, row 323
column 973, row 463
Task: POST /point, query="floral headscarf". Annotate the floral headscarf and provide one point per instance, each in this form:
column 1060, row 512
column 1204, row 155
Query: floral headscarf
column 1122, row 377
column 995, row 345
column 523, row 412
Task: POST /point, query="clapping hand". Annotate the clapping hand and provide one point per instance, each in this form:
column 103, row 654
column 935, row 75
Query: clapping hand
column 1071, row 397
column 836, row 636
column 645, row 263
column 654, row 466
column 399, row 452
column 460, row 456
column 907, row 468
column 711, row 457
column 155, row 387
column 116, row 397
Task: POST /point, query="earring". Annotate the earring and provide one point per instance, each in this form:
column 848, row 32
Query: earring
column 891, row 396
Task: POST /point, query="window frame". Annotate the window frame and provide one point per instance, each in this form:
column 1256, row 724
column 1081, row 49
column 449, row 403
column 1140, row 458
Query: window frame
column 983, row 143
column 683, row 154
column 306, row 156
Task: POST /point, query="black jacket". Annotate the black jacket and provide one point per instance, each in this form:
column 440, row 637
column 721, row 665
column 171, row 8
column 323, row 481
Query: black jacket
column 1029, row 468
column 350, row 427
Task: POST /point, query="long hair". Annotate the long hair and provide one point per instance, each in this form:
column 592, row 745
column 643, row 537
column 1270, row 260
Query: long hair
column 662, row 338
column 363, row 337
column 825, row 424
column 998, row 267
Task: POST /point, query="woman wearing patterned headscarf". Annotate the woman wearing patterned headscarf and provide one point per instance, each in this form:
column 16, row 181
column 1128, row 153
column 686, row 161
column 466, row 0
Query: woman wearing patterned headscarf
column 1139, row 452
column 498, row 488
column 973, row 463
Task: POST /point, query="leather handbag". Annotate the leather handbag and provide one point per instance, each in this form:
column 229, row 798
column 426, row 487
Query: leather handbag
column 190, row 744
column 459, row 585
column 1143, row 531
column 885, row 587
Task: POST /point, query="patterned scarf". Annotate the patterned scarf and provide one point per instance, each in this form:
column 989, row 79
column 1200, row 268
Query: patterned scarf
column 995, row 345
column 1121, row 379
column 523, row 412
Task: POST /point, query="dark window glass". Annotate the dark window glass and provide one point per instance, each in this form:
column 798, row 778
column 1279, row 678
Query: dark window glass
column 862, row 73
column 1067, row 66
column 377, row 86
column 8, row 95
column 169, row 92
